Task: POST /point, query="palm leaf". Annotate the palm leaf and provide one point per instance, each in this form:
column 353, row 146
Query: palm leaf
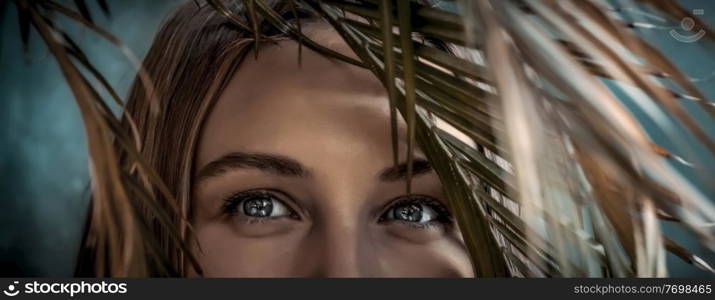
column 610, row 124
column 547, row 172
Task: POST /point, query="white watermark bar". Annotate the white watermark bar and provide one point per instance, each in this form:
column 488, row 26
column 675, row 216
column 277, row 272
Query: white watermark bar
column 435, row 289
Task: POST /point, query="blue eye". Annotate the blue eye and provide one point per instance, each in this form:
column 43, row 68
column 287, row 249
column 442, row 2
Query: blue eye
column 417, row 210
column 258, row 204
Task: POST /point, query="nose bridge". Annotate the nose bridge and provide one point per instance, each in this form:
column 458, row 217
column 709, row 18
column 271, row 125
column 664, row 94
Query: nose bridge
column 343, row 255
column 342, row 225
column 346, row 246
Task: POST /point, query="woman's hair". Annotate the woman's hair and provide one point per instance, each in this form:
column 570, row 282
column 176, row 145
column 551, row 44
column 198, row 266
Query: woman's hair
column 190, row 62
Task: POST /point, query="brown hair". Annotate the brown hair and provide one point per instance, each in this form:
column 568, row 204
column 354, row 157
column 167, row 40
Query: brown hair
column 192, row 58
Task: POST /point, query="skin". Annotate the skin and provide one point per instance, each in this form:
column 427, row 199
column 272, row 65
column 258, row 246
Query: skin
column 332, row 120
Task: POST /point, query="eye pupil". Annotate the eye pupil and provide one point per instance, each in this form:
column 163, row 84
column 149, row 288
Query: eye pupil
column 258, row 207
column 409, row 213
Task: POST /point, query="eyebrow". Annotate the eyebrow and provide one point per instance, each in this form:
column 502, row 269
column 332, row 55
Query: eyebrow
column 272, row 163
column 399, row 172
column 286, row 166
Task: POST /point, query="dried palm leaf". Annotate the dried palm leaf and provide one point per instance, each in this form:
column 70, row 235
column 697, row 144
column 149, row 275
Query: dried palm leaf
column 548, row 172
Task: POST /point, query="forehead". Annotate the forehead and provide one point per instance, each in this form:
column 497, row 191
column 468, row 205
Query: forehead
column 276, row 104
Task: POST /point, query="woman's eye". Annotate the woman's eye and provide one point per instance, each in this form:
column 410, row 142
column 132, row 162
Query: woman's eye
column 258, row 204
column 417, row 210
column 414, row 212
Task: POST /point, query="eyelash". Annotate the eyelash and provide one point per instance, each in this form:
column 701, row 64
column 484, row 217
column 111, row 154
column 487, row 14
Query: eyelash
column 443, row 216
column 232, row 206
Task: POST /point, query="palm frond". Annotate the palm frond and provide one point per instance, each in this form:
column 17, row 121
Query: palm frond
column 542, row 105
column 549, row 174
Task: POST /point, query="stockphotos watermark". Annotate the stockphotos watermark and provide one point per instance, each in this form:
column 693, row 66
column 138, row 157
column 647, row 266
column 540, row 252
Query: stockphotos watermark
column 64, row 288
column 688, row 24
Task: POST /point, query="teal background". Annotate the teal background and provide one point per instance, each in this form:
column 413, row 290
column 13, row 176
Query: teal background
column 43, row 158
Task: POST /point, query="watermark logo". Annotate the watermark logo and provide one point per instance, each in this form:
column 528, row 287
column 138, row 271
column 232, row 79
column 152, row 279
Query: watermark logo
column 12, row 290
column 688, row 24
column 70, row 289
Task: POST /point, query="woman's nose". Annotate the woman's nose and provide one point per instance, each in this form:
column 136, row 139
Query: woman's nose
column 345, row 249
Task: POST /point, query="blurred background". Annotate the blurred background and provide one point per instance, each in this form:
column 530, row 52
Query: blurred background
column 43, row 159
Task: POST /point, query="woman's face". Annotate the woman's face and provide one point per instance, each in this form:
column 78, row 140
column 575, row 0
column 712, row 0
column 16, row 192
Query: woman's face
column 295, row 177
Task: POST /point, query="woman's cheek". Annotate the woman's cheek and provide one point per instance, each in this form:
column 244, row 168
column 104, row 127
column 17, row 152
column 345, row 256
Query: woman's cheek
column 256, row 250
